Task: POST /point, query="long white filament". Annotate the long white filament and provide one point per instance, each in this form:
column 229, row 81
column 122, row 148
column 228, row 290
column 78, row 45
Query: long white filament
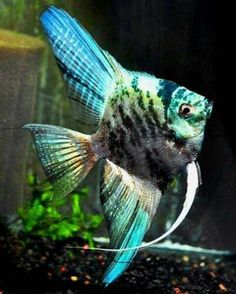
column 193, row 181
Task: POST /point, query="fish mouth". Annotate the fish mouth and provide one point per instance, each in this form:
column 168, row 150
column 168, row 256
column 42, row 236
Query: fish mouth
column 209, row 108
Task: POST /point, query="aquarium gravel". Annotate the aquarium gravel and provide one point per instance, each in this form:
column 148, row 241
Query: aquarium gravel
column 42, row 266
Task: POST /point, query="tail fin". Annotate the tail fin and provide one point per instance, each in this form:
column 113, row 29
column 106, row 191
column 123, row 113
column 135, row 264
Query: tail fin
column 66, row 156
column 89, row 72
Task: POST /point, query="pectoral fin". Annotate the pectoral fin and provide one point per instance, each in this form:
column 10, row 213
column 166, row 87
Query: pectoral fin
column 129, row 205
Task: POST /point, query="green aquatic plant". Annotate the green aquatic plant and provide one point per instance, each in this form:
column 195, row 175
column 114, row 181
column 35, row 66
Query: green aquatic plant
column 55, row 219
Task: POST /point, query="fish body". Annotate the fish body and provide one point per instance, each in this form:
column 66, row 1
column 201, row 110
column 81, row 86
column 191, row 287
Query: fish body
column 145, row 131
column 134, row 129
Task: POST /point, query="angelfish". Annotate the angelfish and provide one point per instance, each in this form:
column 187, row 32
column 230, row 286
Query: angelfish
column 145, row 130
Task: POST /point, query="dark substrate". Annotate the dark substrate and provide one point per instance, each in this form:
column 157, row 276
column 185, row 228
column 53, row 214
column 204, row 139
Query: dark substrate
column 47, row 267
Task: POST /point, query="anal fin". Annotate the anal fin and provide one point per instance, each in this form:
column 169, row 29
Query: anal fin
column 129, row 205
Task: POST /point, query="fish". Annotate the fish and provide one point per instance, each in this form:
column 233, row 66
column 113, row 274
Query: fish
column 143, row 130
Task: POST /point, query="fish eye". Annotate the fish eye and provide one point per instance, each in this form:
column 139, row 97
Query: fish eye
column 186, row 110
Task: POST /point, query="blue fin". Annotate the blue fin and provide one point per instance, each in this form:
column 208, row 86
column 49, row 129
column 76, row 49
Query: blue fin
column 66, row 156
column 129, row 205
column 89, row 72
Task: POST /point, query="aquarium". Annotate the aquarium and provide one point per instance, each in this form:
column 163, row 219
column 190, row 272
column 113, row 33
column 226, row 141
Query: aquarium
column 117, row 166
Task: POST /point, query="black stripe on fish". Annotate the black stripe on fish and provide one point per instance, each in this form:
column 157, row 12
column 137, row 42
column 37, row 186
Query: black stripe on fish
column 153, row 168
column 121, row 111
column 153, row 132
column 123, row 144
column 137, row 118
column 136, row 137
column 165, row 90
column 152, row 111
column 151, row 124
column 128, row 122
column 156, row 152
column 134, row 84
column 143, row 130
column 140, row 102
column 116, row 143
column 113, row 138
column 156, row 170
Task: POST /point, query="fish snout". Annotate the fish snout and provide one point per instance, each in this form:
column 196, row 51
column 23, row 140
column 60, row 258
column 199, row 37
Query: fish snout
column 209, row 107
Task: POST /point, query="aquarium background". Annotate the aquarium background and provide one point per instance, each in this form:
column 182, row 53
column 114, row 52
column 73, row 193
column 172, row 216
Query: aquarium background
column 185, row 41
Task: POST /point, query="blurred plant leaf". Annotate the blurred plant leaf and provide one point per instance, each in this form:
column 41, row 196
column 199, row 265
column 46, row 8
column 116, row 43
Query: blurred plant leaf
column 46, row 217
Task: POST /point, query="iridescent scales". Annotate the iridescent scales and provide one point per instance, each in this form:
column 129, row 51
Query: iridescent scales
column 132, row 129
column 132, row 114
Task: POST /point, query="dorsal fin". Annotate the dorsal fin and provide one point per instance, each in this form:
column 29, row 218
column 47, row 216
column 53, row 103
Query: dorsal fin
column 89, row 73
